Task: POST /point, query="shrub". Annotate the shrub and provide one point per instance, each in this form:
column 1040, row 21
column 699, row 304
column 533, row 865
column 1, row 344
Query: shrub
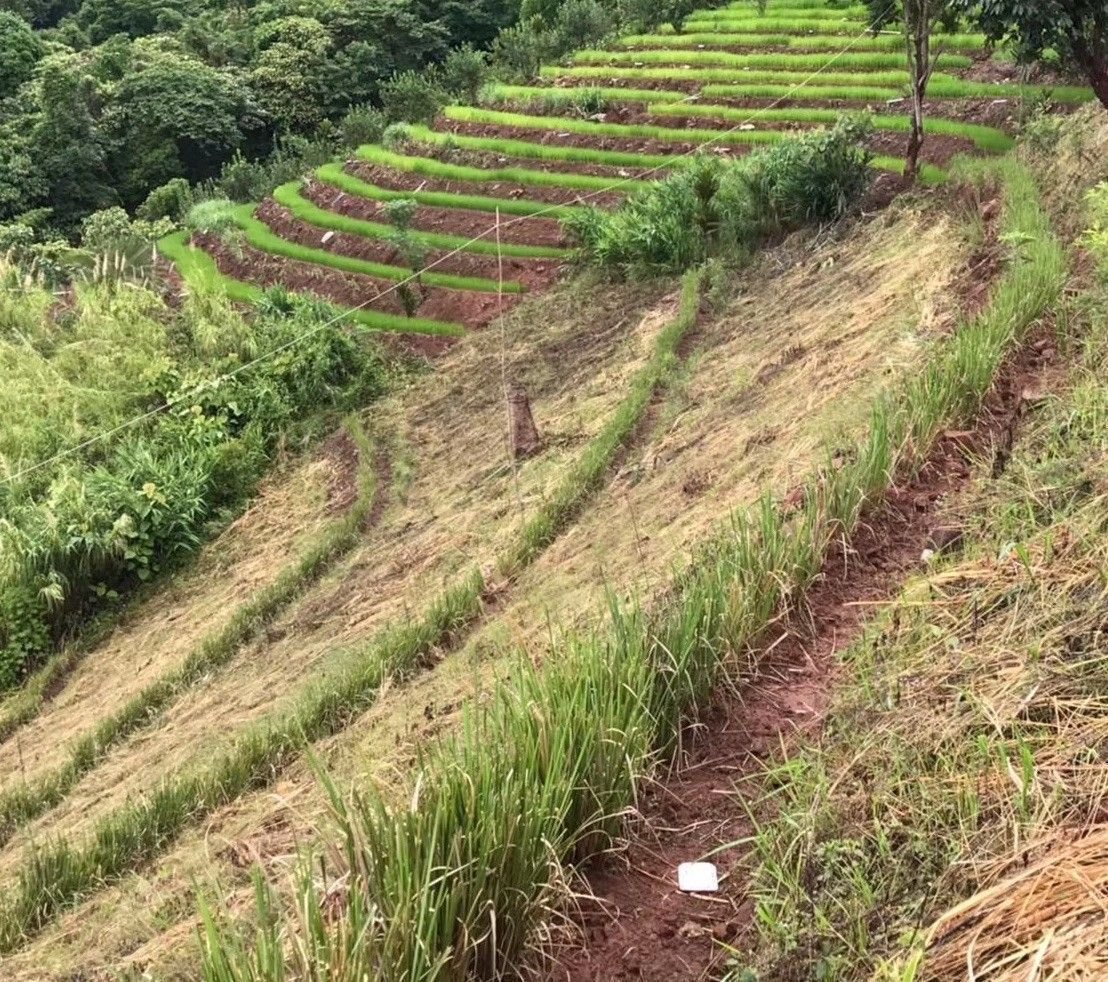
column 80, row 533
column 361, row 125
column 464, row 72
column 216, row 216
column 112, row 232
column 172, row 200
column 519, row 51
column 413, row 96
column 717, row 207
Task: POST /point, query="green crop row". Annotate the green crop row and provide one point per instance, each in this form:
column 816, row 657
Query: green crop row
column 539, row 151
column 717, row 21
column 260, row 236
column 470, row 869
column 942, row 86
column 984, row 137
column 455, row 172
column 336, row 176
column 648, row 131
column 770, row 60
column 538, row 93
column 849, row 93
column 57, row 875
column 289, row 196
column 199, row 271
column 738, row 76
column 802, row 42
column 24, row 802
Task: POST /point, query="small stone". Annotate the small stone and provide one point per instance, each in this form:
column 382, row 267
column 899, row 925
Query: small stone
column 927, row 555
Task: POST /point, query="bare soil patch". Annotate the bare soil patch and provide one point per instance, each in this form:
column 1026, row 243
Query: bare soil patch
column 533, row 273
column 469, row 307
column 452, row 221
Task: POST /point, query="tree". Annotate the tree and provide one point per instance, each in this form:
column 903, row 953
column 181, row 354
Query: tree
column 1076, row 29
column 175, row 116
column 20, row 50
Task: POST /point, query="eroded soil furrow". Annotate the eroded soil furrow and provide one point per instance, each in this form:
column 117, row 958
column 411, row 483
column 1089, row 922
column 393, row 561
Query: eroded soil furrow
column 636, row 925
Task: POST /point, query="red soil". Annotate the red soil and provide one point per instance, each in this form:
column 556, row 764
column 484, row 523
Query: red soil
column 469, row 308
column 403, row 181
column 533, row 273
column 452, row 221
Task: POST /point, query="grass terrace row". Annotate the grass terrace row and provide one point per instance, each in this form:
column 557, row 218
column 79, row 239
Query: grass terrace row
column 199, row 270
column 720, row 36
column 733, row 137
column 891, row 83
column 812, row 62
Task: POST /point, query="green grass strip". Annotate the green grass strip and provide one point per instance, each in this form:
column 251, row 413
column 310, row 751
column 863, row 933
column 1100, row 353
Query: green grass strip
column 215, row 652
column 336, row 176
column 56, row 876
column 737, row 76
column 559, row 96
column 469, row 870
column 984, row 137
column 849, row 93
column 199, row 270
column 778, row 61
column 717, row 22
column 943, row 86
column 455, row 172
column 647, row 131
column 801, row 42
column 289, row 196
column 260, row 236
column 540, row 151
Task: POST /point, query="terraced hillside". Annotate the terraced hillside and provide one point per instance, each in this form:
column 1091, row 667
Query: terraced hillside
column 389, row 594
column 491, row 181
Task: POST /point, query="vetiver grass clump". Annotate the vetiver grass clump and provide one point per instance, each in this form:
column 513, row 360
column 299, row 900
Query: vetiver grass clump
column 457, row 882
column 714, row 207
column 981, row 840
column 58, row 874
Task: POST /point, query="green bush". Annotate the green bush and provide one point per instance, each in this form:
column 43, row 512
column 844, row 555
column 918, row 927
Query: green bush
column 172, row 200
column 413, row 97
column 464, row 72
column 361, row 125
column 1096, row 238
column 80, row 533
column 717, row 207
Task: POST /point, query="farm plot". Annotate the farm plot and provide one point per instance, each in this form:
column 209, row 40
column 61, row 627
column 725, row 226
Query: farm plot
column 477, row 199
column 737, row 382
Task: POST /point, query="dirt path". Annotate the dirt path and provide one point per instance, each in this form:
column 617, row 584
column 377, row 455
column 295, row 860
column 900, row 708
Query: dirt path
column 639, row 926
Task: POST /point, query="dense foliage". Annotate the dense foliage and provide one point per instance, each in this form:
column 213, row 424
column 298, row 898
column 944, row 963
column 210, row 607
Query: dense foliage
column 88, row 526
column 1076, row 31
column 717, row 206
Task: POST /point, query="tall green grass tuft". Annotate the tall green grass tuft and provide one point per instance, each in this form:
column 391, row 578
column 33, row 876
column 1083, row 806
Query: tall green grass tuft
column 716, row 207
column 457, row 882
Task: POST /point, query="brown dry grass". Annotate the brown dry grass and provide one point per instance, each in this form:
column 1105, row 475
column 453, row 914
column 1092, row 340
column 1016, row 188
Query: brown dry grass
column 157, row 636
column 456, row 502
column 787, row 370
